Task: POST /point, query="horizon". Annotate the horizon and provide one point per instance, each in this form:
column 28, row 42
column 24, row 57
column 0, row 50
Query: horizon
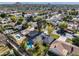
column 40, row 2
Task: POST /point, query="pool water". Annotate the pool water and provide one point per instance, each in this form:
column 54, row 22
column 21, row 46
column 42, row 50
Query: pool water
column 29, row 44
column 18, row 36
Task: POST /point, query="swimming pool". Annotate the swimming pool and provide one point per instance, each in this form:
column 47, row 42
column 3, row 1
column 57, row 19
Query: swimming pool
column 18, row 36
column 29, row 44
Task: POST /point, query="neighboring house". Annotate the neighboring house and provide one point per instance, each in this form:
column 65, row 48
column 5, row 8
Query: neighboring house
column 26, row 31
column 19, row 38
column 17, row 14
column 19, row 27
column 4, row 50
column 28, row 17
column 72, row 26
column 4, row 21
column 34, row 24
column 58, row 49
column 63, row 48
column 57, row 17
column 2, row 39
column 8, row 31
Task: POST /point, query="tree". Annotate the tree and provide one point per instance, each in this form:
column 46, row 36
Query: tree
column 63, row 25
column 13, row 18
column 73, row 12
column 1, row 29
column 23, row 14
column 39, row 23
column 3, row 15
column 20, row 20
column 60, row 11
column 75, row 41
column 67, row 18
column 25, row 25
column 29, row 18
column 49, row 29
column 44, row 23
column 38, row 18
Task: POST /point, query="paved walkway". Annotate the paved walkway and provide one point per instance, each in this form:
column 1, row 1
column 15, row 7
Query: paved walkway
column 62, row 38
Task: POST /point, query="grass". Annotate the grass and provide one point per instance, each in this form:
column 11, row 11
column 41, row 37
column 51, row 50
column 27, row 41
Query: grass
column 55, row 36
column 40, row 51
column 69, row 40
column 77, row 32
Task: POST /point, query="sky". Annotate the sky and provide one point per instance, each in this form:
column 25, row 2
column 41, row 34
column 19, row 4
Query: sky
column 41, row 2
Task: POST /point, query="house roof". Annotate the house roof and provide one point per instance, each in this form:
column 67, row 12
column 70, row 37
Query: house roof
column 46, row 39
column 26, row 31
column 33, row 34
column 2, row 39
column 58, row 49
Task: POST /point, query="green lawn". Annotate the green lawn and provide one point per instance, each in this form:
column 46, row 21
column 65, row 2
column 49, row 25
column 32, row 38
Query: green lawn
column 39, row 51
column 55, row 36
column 69, row 41
column 77, row 32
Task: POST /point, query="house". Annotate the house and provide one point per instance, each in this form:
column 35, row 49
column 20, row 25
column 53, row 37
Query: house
column 19, row 27
column 76, row 19
column 19, row 38
column 36, row 36
column 58, row 49
column 8, row 31
column 26, row 31
column 2, row 39
column 17, row 14
column 5, row 20
column 63, row 48
column 33, row 24
column 4, row 50
column 72, row 26
column 57, row 17
column 28, row 17
column 46, row 39
column 33, row 34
